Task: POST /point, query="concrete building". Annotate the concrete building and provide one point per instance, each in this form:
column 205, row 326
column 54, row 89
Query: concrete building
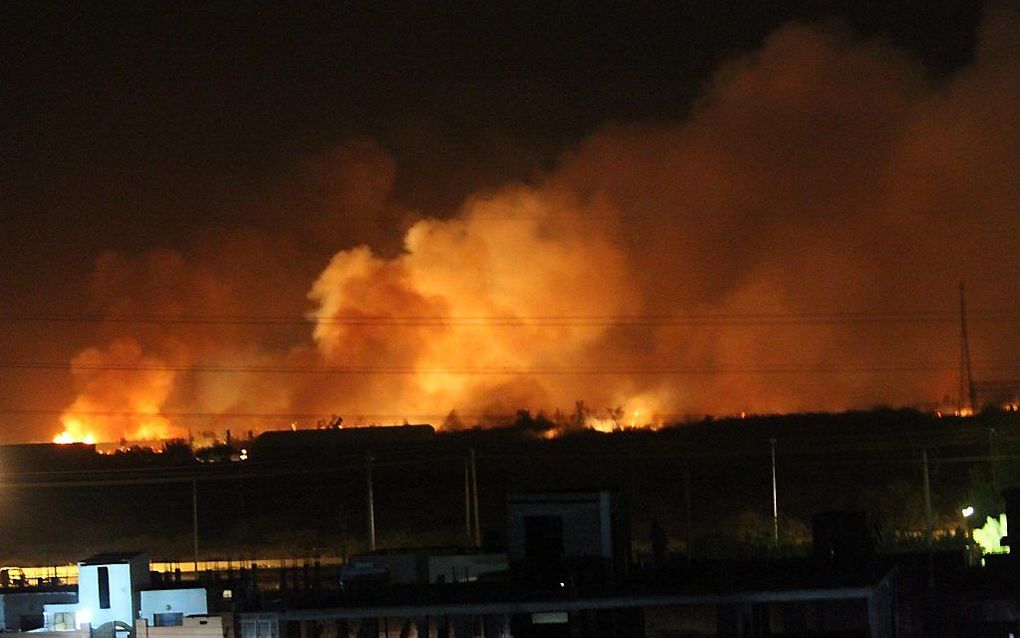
column 420, row 567
column 172, row 607
column 190, row 627
column 23, row 610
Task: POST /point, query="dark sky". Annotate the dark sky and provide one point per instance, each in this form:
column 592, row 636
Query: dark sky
column 143, row 126
column 123, row 127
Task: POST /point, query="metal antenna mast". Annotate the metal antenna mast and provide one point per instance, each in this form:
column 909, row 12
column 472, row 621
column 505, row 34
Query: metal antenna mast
column 966, row 391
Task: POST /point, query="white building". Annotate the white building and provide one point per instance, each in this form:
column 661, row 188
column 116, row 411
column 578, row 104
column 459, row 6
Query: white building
column 171, row 607
column 548, row 527
column 113, row 592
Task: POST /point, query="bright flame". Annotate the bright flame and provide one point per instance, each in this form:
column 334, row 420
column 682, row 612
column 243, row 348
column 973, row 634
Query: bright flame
column 74, row 432
column 638, row 413
column 602, row 424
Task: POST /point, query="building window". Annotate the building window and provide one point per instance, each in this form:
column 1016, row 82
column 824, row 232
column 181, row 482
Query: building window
column 168, row 620
column 543, row 537
column 104, row 587
column 63, row 621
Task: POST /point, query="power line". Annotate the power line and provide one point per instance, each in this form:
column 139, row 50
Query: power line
column 670, row 214
column 502, row 370
column 556, row 213
column 350, row 414
column 184, row 415
column 186, row 476
column 254, row 471
column 637, row 320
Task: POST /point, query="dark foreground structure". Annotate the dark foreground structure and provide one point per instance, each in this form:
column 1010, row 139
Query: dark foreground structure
column 755, row 608
column 570, row 574
column 565, row 570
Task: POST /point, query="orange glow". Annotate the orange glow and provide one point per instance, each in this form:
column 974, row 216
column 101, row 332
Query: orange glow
column 637, row 414
column 610, row 280
column 74, row 434
column 601, row 424
column 117, row 404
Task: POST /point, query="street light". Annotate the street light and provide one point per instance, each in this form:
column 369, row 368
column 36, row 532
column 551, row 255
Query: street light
column 967, row 511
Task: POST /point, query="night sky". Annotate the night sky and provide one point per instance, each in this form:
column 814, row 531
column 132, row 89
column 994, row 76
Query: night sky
column 217, row 160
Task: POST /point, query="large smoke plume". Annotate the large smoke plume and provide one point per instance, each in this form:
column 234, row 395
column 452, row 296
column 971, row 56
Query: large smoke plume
column 823, row 173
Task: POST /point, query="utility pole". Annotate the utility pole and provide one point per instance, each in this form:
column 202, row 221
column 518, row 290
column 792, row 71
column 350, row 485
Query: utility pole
column 687, row 503
column 474, row 498
column 775, row 495
column 929, row 523
column 342, row 526
column 967, row 394
column 991, row 460
column 194, row 521
column 929, row 532
column 467, row 499
column 370, row 498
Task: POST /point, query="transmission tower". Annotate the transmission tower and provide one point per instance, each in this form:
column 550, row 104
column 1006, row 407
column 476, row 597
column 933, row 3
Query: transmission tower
column 967, row 394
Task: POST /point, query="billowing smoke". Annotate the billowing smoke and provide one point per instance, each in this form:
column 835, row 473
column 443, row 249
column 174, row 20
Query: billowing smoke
column 500, row 271
column 709, row 265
